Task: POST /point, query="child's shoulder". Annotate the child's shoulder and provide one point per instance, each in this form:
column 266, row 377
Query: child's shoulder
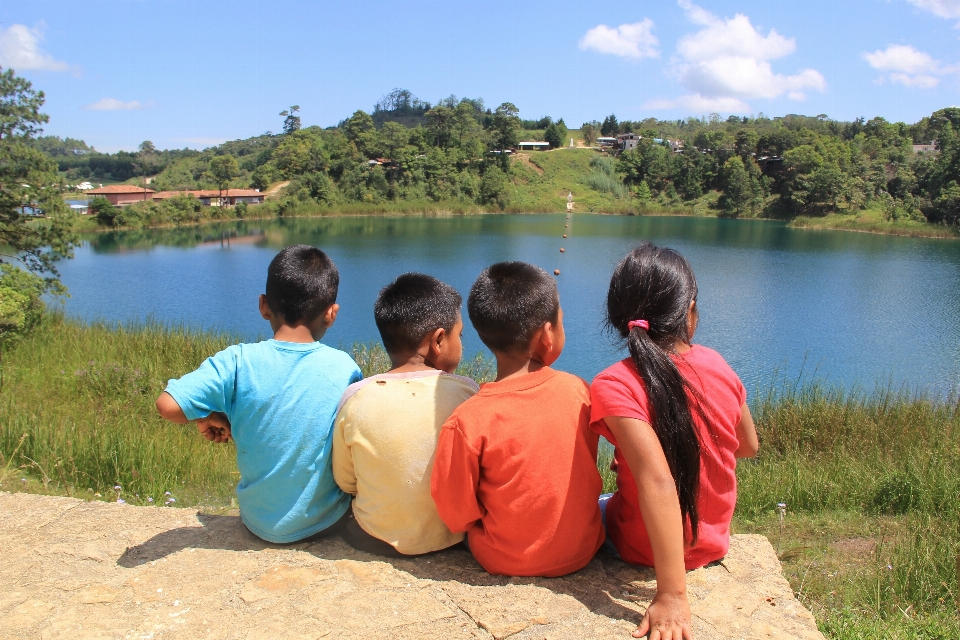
column 383, row 387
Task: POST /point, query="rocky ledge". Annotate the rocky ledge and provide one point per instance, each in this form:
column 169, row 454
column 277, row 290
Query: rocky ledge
column 77, row 569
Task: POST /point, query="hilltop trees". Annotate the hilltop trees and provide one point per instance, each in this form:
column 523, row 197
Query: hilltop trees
column 291, row 121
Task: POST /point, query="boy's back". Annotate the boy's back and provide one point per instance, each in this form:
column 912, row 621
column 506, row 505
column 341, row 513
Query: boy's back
column 281, row 399
column 516, row 468
column 384, row 443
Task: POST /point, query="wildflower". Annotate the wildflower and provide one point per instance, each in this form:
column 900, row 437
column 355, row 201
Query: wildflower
column 889, row 568
column 149, row 499
column 170, row 500
column 97, row 495
column 166, row 493
column 121, row 501
column 23, row 480
column 117, row 487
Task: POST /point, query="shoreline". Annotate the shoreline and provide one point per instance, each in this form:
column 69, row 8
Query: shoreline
column 446, row 212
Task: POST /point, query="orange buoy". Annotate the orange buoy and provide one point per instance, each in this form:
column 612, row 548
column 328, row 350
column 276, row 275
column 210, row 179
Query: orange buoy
column 556, row 272
column 561, row 249
column 564, row 235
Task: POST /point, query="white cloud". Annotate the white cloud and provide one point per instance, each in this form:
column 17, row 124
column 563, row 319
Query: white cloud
column 112, row 104
column 907, row 66
column 727, row 62
column 940, row 8
column 699, row 104
column 20, row 50
column 627, row 41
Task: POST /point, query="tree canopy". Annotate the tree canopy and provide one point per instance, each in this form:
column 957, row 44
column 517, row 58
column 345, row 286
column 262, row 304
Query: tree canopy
column 29, row 184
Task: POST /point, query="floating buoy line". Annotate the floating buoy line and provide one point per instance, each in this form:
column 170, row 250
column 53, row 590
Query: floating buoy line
column 567, row 230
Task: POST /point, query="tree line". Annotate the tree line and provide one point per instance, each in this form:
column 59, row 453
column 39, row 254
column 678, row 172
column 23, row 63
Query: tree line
column 457, row 149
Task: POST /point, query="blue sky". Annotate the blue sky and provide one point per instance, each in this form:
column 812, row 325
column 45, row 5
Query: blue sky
column 195, row 73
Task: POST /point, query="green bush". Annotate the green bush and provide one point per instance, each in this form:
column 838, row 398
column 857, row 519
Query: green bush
column 21, row 301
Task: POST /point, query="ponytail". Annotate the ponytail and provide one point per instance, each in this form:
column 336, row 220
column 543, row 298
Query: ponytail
column 650, row 294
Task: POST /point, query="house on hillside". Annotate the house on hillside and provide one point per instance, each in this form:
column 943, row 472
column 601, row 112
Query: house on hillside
column 925, row 148
column 121, row 195
column 627, row 141
column 533, row 145
column 215, row 197
column 604, row 141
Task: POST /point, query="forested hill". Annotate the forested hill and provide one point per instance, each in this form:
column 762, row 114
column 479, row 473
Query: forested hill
column 407, row 150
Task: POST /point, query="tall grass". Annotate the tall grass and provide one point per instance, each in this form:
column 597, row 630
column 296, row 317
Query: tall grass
column 603, row 178
column 891, row 460
column 77, row 408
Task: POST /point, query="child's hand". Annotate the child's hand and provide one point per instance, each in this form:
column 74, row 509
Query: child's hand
column 215, row 427
column 667, row 618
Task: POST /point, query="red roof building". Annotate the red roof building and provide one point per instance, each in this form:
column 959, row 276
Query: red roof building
column 122, row 194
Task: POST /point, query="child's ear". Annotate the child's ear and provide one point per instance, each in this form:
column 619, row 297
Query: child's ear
column 331, row 315
column 265, row 311
column 436, row 337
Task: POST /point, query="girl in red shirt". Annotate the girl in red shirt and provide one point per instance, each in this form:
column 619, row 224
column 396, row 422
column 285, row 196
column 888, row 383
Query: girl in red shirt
column 677, row 417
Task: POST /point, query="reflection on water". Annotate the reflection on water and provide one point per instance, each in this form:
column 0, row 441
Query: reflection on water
column 857, row 309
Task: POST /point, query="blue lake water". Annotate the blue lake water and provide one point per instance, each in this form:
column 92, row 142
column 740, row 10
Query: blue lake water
column 854, row 309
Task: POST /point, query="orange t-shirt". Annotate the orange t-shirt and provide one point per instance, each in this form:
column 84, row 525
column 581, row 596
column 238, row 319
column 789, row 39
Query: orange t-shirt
column 516, row 469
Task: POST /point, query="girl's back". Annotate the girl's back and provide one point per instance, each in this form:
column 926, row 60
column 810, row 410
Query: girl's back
column 716, row 410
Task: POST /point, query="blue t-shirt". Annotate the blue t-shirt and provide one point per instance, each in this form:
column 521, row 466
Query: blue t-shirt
column 281, row 399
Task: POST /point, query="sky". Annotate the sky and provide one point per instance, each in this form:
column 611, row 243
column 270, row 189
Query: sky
column 194, row 73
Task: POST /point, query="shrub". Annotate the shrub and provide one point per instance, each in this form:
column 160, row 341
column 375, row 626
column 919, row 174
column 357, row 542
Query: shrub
column 21, row 301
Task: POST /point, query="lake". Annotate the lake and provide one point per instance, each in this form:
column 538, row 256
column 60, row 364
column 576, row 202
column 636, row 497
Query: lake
column 853, row 309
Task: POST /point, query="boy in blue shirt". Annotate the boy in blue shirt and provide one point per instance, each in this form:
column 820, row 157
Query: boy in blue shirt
column 280, row 399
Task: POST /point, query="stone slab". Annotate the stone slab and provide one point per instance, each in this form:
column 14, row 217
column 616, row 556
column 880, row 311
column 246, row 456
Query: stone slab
column 96, row 570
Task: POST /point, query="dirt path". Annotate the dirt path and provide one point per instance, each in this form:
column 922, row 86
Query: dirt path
column 275, row 189
column 525, row 159
column 76, row 569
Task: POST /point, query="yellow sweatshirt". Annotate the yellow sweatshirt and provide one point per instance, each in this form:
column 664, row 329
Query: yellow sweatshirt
column 384, row 442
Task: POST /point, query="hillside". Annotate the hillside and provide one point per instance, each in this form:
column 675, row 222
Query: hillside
column 453, row 156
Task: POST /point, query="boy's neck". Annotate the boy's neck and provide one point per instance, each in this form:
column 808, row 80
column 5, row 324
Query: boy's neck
column 295, row 333
column 406, row 363
column 514, row 365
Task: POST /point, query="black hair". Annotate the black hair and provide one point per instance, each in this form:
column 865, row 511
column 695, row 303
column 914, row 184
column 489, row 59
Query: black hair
column 302, row 283
column 412, row 306
column 656, row 284
column 509, row 302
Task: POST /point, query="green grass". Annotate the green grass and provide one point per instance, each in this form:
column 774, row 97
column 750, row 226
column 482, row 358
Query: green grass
column 871, row 482
column 874, row 221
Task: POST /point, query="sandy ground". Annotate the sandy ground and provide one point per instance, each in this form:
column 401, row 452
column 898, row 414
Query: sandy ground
column 84, row 570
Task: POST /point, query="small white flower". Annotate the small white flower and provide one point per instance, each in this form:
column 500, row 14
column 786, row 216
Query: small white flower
column 121, row 501
column 167, row 493
column 149, row 499
column 97, row 495
column 117, row 487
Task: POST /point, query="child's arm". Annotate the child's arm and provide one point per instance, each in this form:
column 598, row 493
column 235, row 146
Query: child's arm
column 344, row 472
column 215, row 427
column 453, row 484
column 669, row 613
column 747, row 434
column 170, row 410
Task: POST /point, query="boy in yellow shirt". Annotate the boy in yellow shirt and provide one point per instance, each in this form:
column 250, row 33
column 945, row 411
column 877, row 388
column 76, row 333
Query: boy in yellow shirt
column 386, row 430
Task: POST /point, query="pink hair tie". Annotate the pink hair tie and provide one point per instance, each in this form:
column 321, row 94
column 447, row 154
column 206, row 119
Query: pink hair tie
column 643, row 324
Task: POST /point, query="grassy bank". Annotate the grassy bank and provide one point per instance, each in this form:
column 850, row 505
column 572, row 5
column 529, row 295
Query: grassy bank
column 874, row 221
column 869, row 537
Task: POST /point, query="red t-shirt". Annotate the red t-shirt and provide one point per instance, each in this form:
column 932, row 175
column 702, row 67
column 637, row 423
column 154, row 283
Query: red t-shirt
column 620, row 392
column 516, row 469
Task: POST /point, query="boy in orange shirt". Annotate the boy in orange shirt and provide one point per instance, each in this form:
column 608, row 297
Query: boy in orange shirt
column 516, row 464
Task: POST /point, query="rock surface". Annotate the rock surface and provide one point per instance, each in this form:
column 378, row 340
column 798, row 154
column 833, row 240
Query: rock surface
column 77, row 569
